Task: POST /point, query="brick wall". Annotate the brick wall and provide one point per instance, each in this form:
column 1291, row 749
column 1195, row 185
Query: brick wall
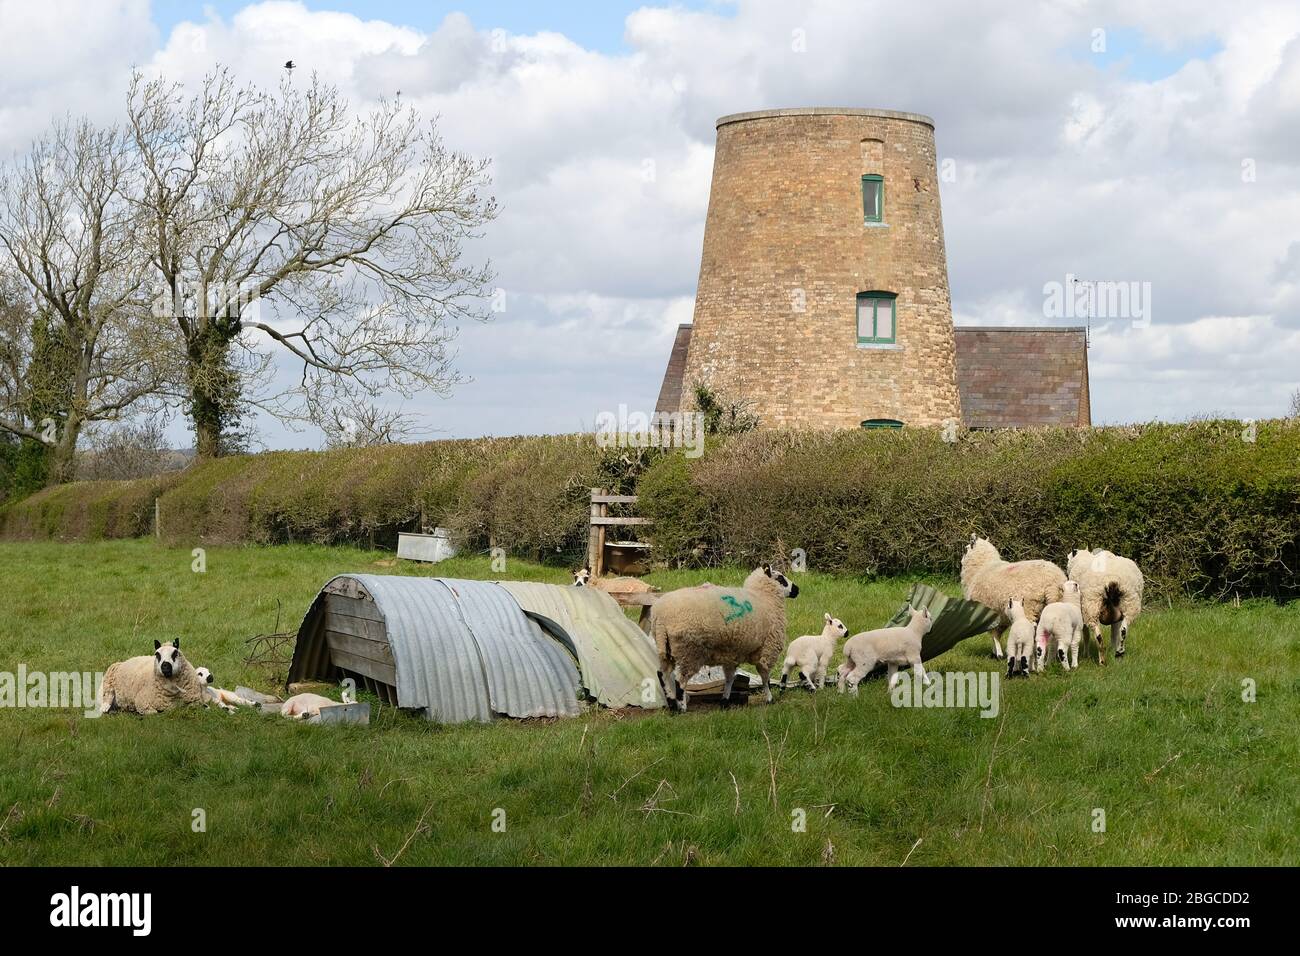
column 786, row 252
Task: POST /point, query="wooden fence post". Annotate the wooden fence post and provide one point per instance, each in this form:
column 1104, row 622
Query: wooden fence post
column 157, row 519
column 595, row 536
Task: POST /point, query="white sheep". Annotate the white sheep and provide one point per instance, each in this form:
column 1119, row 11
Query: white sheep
column 151, row 685
column 700, row 626
column 227, row 700
column 989, row 580
column 1061, row 624
column 891, row 646
column 1020, row 637
column 308, row 706
column 1111, row 589
column 811, row 654
column 582, row 578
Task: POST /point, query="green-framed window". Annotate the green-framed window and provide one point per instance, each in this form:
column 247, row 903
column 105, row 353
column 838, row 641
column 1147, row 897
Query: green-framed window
column 893, row 423
column 877, row 317
column 873, row 198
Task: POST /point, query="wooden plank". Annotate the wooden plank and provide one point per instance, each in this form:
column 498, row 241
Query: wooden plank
column 615, row 499
column 619, row 521
column 356, row 626
column 364, row 666
column 352, row 607
column 593, row 536
column 359, row 647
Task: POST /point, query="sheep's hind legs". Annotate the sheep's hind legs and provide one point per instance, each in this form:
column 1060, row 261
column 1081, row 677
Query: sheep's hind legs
column 997, row 643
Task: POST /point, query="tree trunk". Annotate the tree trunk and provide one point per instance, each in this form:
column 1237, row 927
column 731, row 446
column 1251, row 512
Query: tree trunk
column 63, row 454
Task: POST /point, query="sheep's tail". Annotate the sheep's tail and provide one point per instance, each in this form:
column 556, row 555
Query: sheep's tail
column 1111, row 599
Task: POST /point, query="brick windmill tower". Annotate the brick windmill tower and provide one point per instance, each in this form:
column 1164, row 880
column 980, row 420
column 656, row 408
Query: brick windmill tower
column 823, row 292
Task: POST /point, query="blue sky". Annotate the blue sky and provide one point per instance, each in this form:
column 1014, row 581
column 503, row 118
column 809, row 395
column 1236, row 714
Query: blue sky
column 594, row 25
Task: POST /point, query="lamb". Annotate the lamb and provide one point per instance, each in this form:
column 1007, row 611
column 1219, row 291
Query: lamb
column 582, row 578
column 225, row 699
column 1020, row 637
column 1110, row 592
column 308, row 706
column 892, row 646
column 1061, row 623
column 150, row 685
column 811, row 654
column 986, row 578
column 697, row 627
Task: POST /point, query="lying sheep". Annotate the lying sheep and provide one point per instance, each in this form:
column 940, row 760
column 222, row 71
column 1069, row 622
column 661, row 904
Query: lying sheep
column 308, row 706
column 151, row 685
column 891, row 646
column 986, row 578
column 1020, row 637
column 696, row 627
column 227, row 700
column 1110, row 592
column 582, row 578
column 1061, row 623
column 811, row 654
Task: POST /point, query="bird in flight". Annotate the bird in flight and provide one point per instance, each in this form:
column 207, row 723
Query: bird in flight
column 288, row 64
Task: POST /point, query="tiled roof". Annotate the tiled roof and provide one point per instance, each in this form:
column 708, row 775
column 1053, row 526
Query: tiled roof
column 1009, row 377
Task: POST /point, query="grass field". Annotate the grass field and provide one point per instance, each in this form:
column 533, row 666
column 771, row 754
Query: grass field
column 1185, row 770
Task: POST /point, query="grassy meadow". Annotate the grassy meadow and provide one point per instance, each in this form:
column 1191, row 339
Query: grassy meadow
column 1161, row 741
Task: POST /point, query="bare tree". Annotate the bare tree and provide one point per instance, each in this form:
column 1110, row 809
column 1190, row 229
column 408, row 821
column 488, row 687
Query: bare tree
column 365, row 426
column 1295, row 404
column 129, row 450
column 351, row 229
column 67, row 235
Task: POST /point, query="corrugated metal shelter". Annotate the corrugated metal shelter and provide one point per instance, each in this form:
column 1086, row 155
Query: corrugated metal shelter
column 466, row 650
column 618, row 662
column 459, row 650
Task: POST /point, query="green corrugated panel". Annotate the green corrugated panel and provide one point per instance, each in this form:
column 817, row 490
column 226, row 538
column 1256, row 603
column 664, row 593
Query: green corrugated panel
column 955, row 619
column 617, row 661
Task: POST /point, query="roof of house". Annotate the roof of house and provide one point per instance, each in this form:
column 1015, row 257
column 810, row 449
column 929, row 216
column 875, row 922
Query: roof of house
column 1008, row 376
column 1020, row 377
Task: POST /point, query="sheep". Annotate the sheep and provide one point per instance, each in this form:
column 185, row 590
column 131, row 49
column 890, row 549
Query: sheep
column 1061, row 623
column 892, row 646
column 1110, row 592
column 696, row 627
column 308, row 706
column 989, row 580
column 582, row 578
column 225, row 699
column 1020, row 637
column 811, row 654
column 150, row 685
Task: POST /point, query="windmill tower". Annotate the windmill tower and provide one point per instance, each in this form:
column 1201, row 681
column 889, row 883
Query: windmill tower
column 823, row 292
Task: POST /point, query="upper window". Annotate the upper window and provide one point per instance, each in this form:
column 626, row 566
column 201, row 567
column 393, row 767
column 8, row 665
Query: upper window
column 876, row 316
column 873, row 198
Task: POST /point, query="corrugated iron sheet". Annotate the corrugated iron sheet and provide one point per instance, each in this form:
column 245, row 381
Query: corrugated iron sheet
column 955, row 619
column 617, row 660
column 463, row 650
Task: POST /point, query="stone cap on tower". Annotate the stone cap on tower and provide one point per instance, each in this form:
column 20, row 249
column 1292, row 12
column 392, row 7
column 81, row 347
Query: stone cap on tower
column 824, row 111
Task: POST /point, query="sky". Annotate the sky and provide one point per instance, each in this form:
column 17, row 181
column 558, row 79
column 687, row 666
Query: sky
column 1153, row 142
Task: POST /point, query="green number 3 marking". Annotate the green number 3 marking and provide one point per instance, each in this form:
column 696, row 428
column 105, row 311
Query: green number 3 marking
column 738, row 608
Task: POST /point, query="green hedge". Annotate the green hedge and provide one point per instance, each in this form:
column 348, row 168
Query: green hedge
column 1203, row 511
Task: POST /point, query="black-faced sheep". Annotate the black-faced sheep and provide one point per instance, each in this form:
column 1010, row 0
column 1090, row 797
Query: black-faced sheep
column 891, row 646
column 1111, row 593
column 151, row 684
column 811, row 654
column 699, row 626
column 986, row 578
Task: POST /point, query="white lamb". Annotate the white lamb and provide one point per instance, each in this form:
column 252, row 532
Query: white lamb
column 308, row 706
column 1020, row 637
column 891, row 646
column 986, row 578
column 151, row 685
column 227, row 700
column 701, row 626
column 1111, row 589
column 811, row 654
column 1061, row 625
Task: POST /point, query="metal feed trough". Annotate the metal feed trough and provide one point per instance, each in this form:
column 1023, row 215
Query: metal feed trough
column 464, row 650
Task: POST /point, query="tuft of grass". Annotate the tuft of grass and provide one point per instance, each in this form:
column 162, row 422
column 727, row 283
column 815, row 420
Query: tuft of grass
column 1186, row 771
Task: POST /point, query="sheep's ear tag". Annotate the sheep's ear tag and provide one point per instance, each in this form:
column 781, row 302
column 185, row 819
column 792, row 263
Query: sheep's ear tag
column 157, row 645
